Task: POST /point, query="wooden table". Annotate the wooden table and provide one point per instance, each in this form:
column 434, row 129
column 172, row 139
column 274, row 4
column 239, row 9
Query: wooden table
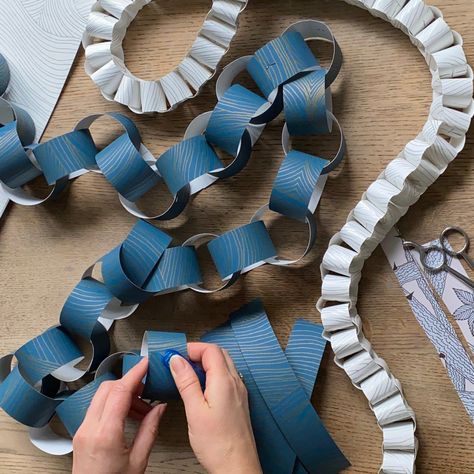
column 381, row 98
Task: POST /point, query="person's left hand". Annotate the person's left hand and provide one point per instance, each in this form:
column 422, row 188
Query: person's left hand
column 100, row 444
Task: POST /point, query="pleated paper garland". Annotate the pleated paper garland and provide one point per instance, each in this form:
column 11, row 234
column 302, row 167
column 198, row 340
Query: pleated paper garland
column 105, row 62
column 386, row 200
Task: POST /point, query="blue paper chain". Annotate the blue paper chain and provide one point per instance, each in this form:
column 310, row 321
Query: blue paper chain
column 286, row 72
column 146, row 264
column 279, row 384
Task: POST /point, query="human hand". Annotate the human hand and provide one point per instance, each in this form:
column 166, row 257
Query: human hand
column 100, row 445
column 219, row 426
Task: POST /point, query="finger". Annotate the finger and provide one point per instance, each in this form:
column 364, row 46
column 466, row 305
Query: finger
column 145, row 438
column 187, row 383
column 232, row 368
column 133, row 378
column 96, row 407
column 210, row 356
column 121, row 395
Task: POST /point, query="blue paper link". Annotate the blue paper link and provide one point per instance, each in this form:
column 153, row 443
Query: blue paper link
column 73, row 409
column 44, row 354
column 304, row 102
column 24, row 403
column 127, row 268
column 295, row 184
column 231, row 116
column 16, row 169
column 80, row 315
column 240, row 248
column 281, row 60
column 125, row 169
column 186, row 161
column 66, row 154
column 143, row 265
column 162, row 346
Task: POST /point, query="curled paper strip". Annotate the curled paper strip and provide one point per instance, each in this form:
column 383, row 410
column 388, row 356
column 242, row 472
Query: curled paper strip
column 105, row 60
column 193, row 164
column 279, row 383
column 421, row 162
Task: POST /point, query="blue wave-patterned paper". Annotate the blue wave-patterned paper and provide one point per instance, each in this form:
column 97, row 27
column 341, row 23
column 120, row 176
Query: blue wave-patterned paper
column 282, row 391
column 66, row 154
column 186, row 161
column 73, row 409
column 280, row 60
column 44, row 354
column 231, row 116
column 295, row 184
column 24, row 403
column 304, row 104
column 240, row 248
column 16, row 169
column 269, row 377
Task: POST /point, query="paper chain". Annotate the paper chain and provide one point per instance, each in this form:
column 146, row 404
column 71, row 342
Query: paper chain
column 105, row 61
column 293, row 82
column 287, row 73
column 400, row 185
column 283, row 417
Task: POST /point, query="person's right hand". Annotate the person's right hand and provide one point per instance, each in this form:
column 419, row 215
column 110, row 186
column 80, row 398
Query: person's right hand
column 219, row 426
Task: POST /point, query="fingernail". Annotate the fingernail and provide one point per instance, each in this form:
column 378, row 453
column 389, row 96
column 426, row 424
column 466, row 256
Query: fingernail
column 177, row 364
column 166, row 357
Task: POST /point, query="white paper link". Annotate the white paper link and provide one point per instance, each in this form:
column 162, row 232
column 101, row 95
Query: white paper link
column 105, row 32
column 400, row 185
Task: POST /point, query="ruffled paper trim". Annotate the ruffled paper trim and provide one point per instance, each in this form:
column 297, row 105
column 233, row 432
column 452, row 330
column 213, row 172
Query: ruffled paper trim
column 105, row 31
column 399, row 186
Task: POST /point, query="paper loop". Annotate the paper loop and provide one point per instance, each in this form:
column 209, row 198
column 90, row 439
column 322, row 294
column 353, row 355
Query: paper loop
column 318, row 30
column 312, row 234
column 197, row 241
column 338, row 157
column 403, row 181
column 241, row 249
column 105, row 62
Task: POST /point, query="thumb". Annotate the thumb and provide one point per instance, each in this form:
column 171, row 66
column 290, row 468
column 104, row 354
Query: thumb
column 187, row 383
column 145, row 438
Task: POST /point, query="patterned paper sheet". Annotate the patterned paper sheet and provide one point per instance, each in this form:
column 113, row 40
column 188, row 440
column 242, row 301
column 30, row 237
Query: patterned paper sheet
column 430, row 315
column 39, row 39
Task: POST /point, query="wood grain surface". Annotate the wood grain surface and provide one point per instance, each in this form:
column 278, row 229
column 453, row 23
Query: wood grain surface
column 381, row 97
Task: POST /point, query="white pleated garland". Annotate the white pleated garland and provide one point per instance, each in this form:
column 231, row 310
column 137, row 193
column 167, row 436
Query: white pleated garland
column 386, row 200
column 105, row 32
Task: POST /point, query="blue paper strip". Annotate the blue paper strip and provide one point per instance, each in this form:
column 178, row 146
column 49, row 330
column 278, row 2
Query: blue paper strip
column 304, row 101
column 241, row 248
column 295, row 184
column 66, row 154
column 280, row 60
column 231, row 116
column 186, row 161
column 46, row 353
column 72, row 411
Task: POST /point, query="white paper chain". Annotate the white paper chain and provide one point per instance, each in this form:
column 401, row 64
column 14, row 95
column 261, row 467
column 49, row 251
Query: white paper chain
column 105, row 61
column 400, row 185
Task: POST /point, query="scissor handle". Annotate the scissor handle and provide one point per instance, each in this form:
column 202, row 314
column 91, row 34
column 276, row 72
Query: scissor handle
column 425, row 251
column 443, row 238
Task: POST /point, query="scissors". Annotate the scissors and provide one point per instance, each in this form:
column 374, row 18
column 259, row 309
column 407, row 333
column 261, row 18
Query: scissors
column 444, row 250
column 462, row 252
